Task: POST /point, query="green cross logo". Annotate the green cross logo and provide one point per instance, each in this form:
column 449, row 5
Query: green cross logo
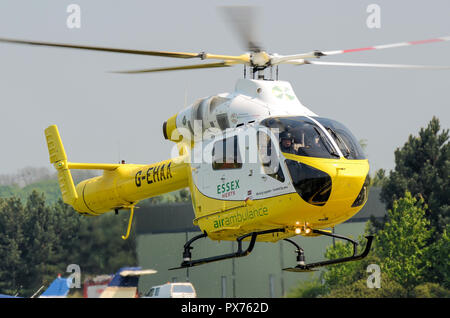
column 282, row 93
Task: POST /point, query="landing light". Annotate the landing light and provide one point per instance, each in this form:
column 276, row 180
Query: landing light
column 298, row 230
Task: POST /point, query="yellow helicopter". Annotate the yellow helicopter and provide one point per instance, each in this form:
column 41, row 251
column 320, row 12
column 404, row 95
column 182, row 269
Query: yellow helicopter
column 260, row 166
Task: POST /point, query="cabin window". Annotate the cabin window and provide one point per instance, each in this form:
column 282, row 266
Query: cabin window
column 268, row 156
column 226, row 154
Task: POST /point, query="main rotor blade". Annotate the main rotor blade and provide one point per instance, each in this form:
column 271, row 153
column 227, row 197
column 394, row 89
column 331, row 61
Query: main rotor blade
column 242, row 18
column 388, row 46
column 177, row 68
column 293, row 59
column 399, row 66
column 242, row 59
column 182, row 55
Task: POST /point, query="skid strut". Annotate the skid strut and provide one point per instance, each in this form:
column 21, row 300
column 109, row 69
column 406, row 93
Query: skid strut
column 187, row 255
column 303, row 267
column 300, row 253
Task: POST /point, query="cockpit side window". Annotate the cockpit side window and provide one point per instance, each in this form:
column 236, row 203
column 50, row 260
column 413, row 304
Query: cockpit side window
column 313, row 185
column 268, row 157
column 345, row 140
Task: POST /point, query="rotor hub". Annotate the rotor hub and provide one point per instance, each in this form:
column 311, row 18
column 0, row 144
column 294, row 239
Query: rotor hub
column 260, row 59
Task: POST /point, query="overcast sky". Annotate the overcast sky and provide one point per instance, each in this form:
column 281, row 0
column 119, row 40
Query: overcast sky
column 105, row 117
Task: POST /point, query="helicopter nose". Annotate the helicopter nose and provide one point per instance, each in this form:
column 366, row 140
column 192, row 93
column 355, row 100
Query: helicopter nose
column 349, row 189
column 348, row 180
column 332, row 183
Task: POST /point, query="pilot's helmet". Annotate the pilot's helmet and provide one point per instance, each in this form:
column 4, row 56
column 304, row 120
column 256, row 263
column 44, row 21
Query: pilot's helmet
column 286, row 135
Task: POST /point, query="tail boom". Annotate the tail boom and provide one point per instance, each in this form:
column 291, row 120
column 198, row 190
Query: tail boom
column 120, row 186
column 128, row 184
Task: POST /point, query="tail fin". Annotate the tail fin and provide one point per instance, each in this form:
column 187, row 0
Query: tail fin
column 58, row 158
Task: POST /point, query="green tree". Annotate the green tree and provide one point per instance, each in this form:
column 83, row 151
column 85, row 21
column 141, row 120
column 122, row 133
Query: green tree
column 100, row 248
column 379, row 178
column 438, row 254
column 402, row 243
column 48, row 187
column 309, row 289
column 430, row 290
column 27, row 242
column 12, row 216
column 66, row 228
column 401, row 250
column 340, row 275
column 421, row 167
column 38, row 241
column 359, row 289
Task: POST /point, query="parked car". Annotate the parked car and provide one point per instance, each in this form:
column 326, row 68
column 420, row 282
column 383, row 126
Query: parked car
column 172, row 290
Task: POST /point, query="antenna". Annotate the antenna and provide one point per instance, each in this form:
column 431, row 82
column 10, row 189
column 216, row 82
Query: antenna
column 118, row 145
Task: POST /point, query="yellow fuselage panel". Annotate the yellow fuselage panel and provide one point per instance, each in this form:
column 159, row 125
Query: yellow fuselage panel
column 229, row 219
column 347, row 178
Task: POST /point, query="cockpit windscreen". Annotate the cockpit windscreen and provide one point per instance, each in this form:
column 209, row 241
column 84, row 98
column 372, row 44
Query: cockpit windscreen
column 301, row 136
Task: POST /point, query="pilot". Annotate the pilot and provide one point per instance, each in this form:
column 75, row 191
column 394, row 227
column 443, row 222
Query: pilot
column 287, row 142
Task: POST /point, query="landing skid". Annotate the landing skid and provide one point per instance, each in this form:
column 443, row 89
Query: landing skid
column 187, row 256
column 301, row 264
column 298, row 269
column 303, row 267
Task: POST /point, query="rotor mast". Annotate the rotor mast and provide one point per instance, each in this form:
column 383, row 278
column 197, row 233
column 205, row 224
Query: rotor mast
column 258, row 61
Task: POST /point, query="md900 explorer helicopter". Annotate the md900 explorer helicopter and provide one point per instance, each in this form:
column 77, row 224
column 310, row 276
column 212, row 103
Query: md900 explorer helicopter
column 260, row 166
